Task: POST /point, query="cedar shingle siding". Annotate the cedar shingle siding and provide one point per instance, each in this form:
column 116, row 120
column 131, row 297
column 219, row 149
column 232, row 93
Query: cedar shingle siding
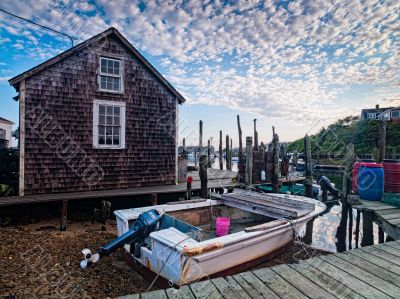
column 65, row 91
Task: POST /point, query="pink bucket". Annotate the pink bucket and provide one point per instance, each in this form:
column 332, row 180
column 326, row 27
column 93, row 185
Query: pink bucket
column 222, row 225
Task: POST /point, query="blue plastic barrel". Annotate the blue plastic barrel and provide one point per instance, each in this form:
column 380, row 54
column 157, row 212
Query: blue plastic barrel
column 371, row 181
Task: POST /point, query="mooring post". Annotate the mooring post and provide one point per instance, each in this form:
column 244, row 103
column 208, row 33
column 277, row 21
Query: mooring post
column 64, row 211
column 203, row 176
column 368, row 232
column 230, row 154
column 249, row 161
column 357, row 232
column 255, row 135
column 275, row 159
column 382, row 140
column 227, row 152
column 189, row 188
column 208, row 153
column 184, row 153
column 200, row 137
column 381, row 235
column 307, row 239
column 308, row 181
column 350, row 225
column 240, row 140
column 221, row 156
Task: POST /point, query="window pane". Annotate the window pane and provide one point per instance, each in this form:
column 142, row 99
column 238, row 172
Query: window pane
column 116, row 67
column 103, row 82
column 116, row 110
column 101, row 139
column 109, row 120
column 101, row 120
column 109, row 110
column 116, row 131
column 116, row 120
column 109, row 85
column 101, row 130
column 108, row 140
column 108, row 131
column 102, row 109
column 103, row 65
column 116, row 140
column 116, row 84
column 109, row 70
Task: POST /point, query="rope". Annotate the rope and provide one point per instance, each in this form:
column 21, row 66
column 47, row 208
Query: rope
column 297, row 238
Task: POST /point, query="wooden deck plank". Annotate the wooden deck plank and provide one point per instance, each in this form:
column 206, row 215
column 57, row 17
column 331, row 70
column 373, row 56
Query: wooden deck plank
column 348, row 280
column 372, row 279
column 253, row 293
column 133, row 296
column 376, row 260
column 371, row 268
column 302, row 283
column 277, row 284
column 205, row 289
column 389, row 249
column 229, row 288
column 159, row 294
column 258, row 285
column 326, row 282
column 183, row 292
column 390, row 211
column 383, row 254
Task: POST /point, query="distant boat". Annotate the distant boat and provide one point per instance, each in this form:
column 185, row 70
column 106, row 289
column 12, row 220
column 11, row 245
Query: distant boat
column 177, row 242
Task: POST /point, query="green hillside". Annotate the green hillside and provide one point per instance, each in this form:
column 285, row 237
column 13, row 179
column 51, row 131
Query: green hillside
column 363, row 134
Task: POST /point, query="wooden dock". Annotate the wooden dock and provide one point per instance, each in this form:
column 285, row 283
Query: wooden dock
column 370, row 272
column 216, row 179
column 385, row 215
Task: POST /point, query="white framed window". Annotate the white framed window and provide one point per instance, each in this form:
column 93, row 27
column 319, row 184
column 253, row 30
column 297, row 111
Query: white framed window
column 109, row 124
column 2, row 134
column 395, row 114
column 110, row 75
column 372, row 115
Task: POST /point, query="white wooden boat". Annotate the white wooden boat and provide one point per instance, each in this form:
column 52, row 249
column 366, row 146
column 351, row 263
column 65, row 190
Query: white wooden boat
column 185, row 249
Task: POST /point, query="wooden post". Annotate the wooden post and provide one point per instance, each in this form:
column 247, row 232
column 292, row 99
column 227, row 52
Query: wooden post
column 240, row 139
column 230, row 154
column 308, row 181
column 201, row 137
column 347, row 182
column 368, row 232
column 249, row 161
column 189, row 188
column 154, row 199
column 382, row 140
column 255, row 135
column 221, row 156
column 184, row 152
column 203, row 176
column 208, row 153
column 105, row 210
column 227, row 152
column 381, row 235
column 64, row 211
column 357, row 232
column 350, row 237
column 275, row 165
column 307, row 239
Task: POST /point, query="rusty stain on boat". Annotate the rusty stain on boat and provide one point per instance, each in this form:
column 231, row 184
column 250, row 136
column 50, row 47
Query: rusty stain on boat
column 201, row 249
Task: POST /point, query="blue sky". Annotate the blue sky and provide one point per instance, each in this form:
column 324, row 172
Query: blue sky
column 297, row 65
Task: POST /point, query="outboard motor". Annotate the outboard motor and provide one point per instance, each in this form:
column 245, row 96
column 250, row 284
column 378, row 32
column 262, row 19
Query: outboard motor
column 325, row 184
column 145, row 224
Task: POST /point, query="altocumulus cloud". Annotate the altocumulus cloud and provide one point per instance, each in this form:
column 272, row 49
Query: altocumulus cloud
column 273, row 58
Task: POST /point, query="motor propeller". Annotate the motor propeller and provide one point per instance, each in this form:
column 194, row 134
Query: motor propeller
column 89, row 258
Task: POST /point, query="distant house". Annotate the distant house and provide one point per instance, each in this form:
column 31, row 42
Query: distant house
column 97, row 116
column 388, row 113
column 5, row 132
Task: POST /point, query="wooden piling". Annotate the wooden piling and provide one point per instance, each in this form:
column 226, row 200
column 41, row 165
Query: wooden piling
column 208, row 153
column 381, row 235
column 382, row 140
column 275, row 158
column 308, row 181
column 357, row 232
column 249, row 161
column 240, row 139
column 201, row 137
column 189, row 188
column 347, row 182
column 221, row 156
column 203, row 176
column 350, row 226
column 64, row 212
column 255, row 135
column 307, row 239
column 368, row 232
column 227, row 152
column 230, row 154
column 184, row 152
column 154, row 199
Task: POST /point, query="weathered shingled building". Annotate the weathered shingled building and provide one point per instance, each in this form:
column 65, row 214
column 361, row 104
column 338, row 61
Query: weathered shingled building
column 97, row 116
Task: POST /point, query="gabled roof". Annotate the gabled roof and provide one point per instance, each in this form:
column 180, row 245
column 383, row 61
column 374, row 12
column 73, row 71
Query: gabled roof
column 3, row 120
column 15, row 80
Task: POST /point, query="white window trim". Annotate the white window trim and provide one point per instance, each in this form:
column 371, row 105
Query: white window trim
column 391, row 114
column 372, row 113
column 120, row 76
column 96, row 104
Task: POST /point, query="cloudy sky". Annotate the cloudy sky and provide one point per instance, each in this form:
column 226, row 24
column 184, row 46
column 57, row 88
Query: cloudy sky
column 297, row 65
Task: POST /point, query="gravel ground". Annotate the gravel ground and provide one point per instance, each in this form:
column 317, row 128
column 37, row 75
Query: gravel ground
column 37, row 260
